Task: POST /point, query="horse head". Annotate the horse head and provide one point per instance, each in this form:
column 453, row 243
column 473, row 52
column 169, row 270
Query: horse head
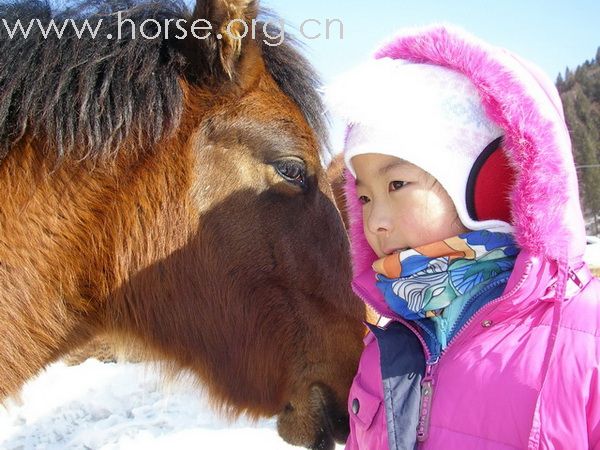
column 180, row 201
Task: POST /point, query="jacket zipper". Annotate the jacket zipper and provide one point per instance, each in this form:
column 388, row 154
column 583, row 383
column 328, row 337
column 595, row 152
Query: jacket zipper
column 428, row 382
column 408, row 325
column 427, row 386
column 488, row 305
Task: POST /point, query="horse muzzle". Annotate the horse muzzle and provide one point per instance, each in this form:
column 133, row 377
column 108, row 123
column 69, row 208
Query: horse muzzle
column 316, row 421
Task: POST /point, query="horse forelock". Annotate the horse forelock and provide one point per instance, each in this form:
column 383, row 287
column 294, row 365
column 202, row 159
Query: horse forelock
column 85, row 96
column 296, row 77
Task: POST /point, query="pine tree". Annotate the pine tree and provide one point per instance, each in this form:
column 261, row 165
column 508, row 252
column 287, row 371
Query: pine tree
column 560, row 83
column 585, row 138
column 580, row 92
column 568, row 74
column 591, row 178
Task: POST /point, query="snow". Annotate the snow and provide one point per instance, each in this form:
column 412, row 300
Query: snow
column 592, row 254
column 122, row 406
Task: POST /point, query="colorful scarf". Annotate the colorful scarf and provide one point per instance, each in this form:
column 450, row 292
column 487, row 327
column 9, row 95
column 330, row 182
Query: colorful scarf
column 423, row 282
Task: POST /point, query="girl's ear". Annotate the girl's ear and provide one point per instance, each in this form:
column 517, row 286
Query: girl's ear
column 217, row 53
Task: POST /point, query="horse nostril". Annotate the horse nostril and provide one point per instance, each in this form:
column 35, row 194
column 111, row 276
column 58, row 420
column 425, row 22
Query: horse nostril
column 324, row 442
column 288, row 408
column 334, row 415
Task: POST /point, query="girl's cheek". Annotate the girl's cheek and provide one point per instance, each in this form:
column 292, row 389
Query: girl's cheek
column 370, row 238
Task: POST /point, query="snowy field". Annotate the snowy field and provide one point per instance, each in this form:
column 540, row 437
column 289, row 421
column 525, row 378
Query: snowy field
column 592, row 252
column 122, row 406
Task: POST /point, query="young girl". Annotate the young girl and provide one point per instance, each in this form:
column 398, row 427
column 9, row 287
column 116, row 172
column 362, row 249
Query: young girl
column 467, row 240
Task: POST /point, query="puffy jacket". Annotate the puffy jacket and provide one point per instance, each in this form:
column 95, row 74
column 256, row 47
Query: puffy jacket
column 524, row 372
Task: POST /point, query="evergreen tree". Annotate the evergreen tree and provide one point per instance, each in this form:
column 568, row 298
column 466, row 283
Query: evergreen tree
column 559, row 82
column 590, row 174
column 568, row 74
column 580, row 93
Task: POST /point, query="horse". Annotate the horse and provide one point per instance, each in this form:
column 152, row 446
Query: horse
column 169, row 192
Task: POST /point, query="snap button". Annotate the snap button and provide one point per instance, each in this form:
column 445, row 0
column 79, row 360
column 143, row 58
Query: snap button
column 486, row 323
column 355, row 406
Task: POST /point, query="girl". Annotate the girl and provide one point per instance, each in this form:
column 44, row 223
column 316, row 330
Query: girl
column 467, row 240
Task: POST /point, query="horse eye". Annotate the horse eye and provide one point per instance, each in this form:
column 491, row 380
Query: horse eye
column 292, row 170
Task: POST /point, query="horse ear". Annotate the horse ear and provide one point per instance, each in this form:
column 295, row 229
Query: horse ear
column 219, row 46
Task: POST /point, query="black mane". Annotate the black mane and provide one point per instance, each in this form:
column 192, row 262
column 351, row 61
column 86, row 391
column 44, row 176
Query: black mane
column 85, row 94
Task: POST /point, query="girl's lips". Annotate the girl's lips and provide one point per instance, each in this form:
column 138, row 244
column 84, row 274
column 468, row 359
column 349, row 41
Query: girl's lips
column 394, row 250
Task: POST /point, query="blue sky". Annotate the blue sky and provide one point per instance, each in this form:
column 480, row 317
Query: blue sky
column 552, row 34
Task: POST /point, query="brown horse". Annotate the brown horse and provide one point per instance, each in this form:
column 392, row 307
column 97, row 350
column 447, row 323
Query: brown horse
column 170, row 192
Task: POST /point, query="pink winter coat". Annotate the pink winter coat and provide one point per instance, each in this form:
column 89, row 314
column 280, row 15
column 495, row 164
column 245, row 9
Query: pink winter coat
column 525, row 372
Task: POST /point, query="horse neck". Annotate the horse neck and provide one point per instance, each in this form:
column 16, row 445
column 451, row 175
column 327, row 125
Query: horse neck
column 70, row 234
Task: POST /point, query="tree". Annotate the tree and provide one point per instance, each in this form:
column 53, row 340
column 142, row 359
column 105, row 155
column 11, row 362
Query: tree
column 585, row 138
column 591, row 179
column 568, row 74
column 580, row 93
column 560, row 82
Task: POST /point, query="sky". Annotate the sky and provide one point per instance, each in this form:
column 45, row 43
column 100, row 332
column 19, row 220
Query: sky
column 552, row 34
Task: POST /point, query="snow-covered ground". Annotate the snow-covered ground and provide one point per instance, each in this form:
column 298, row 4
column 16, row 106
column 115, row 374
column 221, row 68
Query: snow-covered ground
column 592, row 252
column 122, row 406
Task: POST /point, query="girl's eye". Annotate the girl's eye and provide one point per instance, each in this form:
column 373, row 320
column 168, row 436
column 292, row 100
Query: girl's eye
column 363, row 199
column 395, row 185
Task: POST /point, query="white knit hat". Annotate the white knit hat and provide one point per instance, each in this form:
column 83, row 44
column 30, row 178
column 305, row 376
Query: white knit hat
column 428, row 115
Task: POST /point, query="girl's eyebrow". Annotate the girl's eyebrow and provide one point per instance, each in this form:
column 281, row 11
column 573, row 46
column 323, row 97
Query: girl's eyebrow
column 383, row 170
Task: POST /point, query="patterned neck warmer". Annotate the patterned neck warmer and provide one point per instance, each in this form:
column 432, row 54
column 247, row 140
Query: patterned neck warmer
column 421, row 282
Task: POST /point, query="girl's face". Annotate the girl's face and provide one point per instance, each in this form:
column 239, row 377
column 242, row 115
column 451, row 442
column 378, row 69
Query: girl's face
column 403, row 206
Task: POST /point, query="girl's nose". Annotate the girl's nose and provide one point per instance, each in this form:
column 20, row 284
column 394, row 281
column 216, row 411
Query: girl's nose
column 380, row 219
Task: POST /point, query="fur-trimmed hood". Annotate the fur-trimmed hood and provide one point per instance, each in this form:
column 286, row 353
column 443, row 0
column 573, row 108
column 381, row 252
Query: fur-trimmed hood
column 546, row 214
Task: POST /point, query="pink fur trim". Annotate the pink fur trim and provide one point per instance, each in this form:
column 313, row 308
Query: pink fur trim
column 362, row 254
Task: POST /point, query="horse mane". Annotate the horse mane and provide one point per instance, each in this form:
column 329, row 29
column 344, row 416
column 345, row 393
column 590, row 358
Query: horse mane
column 85, row 96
